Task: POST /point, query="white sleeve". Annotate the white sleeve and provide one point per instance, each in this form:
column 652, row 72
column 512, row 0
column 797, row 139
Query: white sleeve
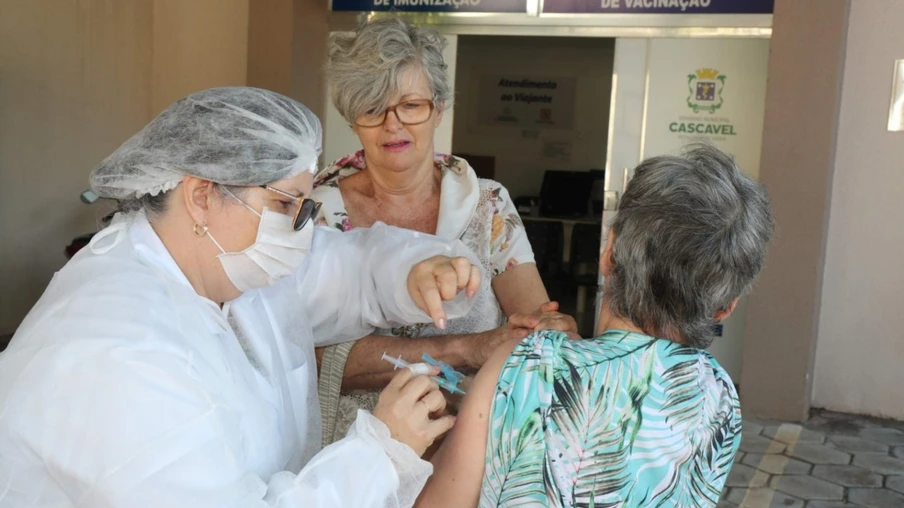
column 142, row 431
column 366, row 468
column 357, row 281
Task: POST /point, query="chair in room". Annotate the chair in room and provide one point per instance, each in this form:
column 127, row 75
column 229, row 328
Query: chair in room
column 547, row 238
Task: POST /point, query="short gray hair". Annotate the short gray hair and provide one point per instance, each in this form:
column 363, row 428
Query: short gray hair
column 365, row 68
column 690, row 237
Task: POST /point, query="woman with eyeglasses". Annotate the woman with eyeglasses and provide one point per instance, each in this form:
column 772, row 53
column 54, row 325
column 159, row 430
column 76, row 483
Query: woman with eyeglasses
column 171, row 362
column 389, row 82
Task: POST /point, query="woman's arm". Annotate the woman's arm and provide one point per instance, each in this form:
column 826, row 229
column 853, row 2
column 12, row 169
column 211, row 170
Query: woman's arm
column 458, row 466
column 520, row 293
column 366, row 370
column 520, row 289
column 357, row 281
column 518, row 286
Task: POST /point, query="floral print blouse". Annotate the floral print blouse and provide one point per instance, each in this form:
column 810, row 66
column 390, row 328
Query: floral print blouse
column 621, row 420
column 478, row 212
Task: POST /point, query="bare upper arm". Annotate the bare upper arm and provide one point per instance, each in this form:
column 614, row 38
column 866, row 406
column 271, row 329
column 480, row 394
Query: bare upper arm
column 520, row 289
column 459, row 463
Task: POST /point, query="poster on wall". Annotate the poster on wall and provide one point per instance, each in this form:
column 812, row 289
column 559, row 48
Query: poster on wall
column 534, row 102
column 660, row 6
column 500, row 6
column 711, row 91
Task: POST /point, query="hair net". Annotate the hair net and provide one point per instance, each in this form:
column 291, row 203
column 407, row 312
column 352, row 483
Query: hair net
column 233, row 136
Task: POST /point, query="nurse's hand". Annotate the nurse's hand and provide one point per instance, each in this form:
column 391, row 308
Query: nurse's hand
column 440, row 278
column 410, row 406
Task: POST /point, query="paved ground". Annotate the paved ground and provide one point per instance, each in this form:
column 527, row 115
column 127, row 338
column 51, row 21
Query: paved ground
column 832, row 460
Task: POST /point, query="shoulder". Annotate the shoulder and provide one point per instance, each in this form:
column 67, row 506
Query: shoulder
column 100, row 326
column 130, row 389
column 716, row 375
column 110, row 299
column 515, row 356
column 495, row 195
column 451, row 162
column 326, row 190
column 339, row 169
column 492, row 186
column 494, row 198
column 332, row 212
column 121, row 281
column 92, row 331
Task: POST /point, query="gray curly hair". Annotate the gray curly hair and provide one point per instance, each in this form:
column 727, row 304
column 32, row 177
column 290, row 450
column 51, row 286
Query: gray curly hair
column 365, row 68
column 690, row 237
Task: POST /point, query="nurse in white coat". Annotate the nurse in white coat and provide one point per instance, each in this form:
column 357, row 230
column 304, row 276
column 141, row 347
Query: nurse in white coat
column 171, row 363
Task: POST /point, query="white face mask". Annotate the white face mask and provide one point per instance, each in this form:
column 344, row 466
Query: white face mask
column 277, row 252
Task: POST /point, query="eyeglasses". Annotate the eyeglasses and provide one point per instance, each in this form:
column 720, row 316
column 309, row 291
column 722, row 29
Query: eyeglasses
column 305, row 208
column 412, row 112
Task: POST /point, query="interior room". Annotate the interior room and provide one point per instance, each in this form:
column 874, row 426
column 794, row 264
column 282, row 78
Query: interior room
column 543, row 136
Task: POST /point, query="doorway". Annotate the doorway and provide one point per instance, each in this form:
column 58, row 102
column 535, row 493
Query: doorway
column 532, row 113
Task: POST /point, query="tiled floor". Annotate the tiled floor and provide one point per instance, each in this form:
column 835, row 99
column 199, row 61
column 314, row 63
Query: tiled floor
column 832, row 460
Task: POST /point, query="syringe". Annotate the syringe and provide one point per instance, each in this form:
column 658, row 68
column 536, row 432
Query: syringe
column 423, row 369
column 418, row 369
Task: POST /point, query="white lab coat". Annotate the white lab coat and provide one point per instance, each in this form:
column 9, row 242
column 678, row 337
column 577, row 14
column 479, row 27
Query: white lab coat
column 125, row 388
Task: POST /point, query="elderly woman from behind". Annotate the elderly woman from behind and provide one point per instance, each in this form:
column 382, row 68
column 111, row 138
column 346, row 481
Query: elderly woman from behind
column 389, row 82
column 640, row 415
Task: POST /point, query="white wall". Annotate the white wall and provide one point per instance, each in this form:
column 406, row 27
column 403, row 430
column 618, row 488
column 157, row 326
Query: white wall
column 339, row 140
column 860, row 344
column 519, row 161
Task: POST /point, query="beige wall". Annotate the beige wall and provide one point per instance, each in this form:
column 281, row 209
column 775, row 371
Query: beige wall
column 287, row 42
column 270, row 26
column 311, row 32
column 75, row 82
column 519, row 162
column 197, row 44
column 78, row 78
column 860, row 348
column 823, row 325
column 802, row 100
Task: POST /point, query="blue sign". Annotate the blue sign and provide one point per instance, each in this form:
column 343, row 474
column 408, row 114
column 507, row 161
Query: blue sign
column 659, row 6
column 508, row 6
